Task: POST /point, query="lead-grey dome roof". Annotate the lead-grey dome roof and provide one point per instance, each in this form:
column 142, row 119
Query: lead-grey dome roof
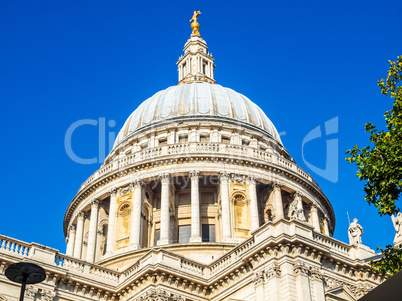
column 197, row 101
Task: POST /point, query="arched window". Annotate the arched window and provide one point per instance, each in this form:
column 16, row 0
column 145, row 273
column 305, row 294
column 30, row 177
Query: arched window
column 241, row 216
column 123, row 225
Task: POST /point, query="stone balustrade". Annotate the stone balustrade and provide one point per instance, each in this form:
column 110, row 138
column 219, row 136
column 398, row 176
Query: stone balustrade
column 14, row 246
column 48, row 256
column 199, row 148
column 335, row 246
column 192, row 267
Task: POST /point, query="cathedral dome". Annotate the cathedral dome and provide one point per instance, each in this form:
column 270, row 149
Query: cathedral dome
column 197, row 101
column 196, row 170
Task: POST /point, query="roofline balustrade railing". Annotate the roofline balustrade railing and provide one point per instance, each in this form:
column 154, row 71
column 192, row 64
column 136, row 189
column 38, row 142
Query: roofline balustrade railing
column 200, row 148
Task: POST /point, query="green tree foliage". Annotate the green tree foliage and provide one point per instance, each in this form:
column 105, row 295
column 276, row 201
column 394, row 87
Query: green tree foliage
column 380, row 163
column 390, row 263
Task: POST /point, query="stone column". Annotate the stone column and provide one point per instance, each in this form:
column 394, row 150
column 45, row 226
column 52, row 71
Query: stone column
column 195, row 207
column 93, row 226
column 318, row 283
column 79, row 235
column 253, row 204
column 278, row 201
column 165, row 216
column 259, row 286
column 111, row 231
column 314, row 218
column 326, row 228
column 225, row 202
column 273, row 281
column 71, row 241
column 136, row 216
column 302, row 282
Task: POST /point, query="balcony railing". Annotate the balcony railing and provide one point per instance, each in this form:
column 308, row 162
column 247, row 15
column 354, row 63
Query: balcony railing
column 18, row 249
column 199, row 148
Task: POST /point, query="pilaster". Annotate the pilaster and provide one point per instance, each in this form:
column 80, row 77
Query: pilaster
column 253, row 204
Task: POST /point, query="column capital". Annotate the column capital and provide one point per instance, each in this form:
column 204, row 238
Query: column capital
column 300, row 268
column 273, row 270
column 258, row 278
column 113, row 191
column 164, row 177
column 316, row 273
column 297, row 195
column 252, row 179
column 71, row 229
column 313, row 208
column 224, row 176
column 94, row 203
column 80, row 215
column 276, row 185
column 137, row 183
column 238, row 178
column 194, row 174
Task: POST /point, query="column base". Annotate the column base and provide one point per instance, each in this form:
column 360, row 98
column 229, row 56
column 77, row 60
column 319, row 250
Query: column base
column 196, row 239
column 162, row 242
column 134, row 247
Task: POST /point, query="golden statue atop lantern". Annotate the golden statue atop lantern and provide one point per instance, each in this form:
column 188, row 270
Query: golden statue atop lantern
column 195, row 26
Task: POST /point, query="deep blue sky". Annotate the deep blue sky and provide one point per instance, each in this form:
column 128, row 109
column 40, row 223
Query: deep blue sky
column 302, row 62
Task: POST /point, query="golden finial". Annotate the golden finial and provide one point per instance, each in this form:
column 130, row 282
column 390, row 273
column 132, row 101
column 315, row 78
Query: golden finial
column 195, row 26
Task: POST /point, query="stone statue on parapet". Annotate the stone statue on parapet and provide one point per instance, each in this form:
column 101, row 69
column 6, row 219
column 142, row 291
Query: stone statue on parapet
column 397, row 221
column 355, row 233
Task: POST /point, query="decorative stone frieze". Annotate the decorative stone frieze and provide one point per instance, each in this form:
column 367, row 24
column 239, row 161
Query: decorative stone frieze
column 44, row 294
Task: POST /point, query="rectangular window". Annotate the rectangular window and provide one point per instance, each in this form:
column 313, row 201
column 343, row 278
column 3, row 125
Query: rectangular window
column 204, row 138
column 226, row 140
column 163, row 142
column 157, row 236
column 183, row 139
column 208, row 233
column 244, row 142
column 144, row 146
column 184, row 234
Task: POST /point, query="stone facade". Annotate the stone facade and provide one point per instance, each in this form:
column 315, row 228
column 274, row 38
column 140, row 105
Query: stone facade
column 197, row 207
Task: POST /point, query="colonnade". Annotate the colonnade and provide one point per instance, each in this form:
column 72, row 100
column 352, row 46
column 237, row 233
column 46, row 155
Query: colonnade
column 76, row 233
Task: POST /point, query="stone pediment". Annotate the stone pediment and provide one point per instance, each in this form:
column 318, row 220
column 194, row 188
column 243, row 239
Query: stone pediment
column 340, row 293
